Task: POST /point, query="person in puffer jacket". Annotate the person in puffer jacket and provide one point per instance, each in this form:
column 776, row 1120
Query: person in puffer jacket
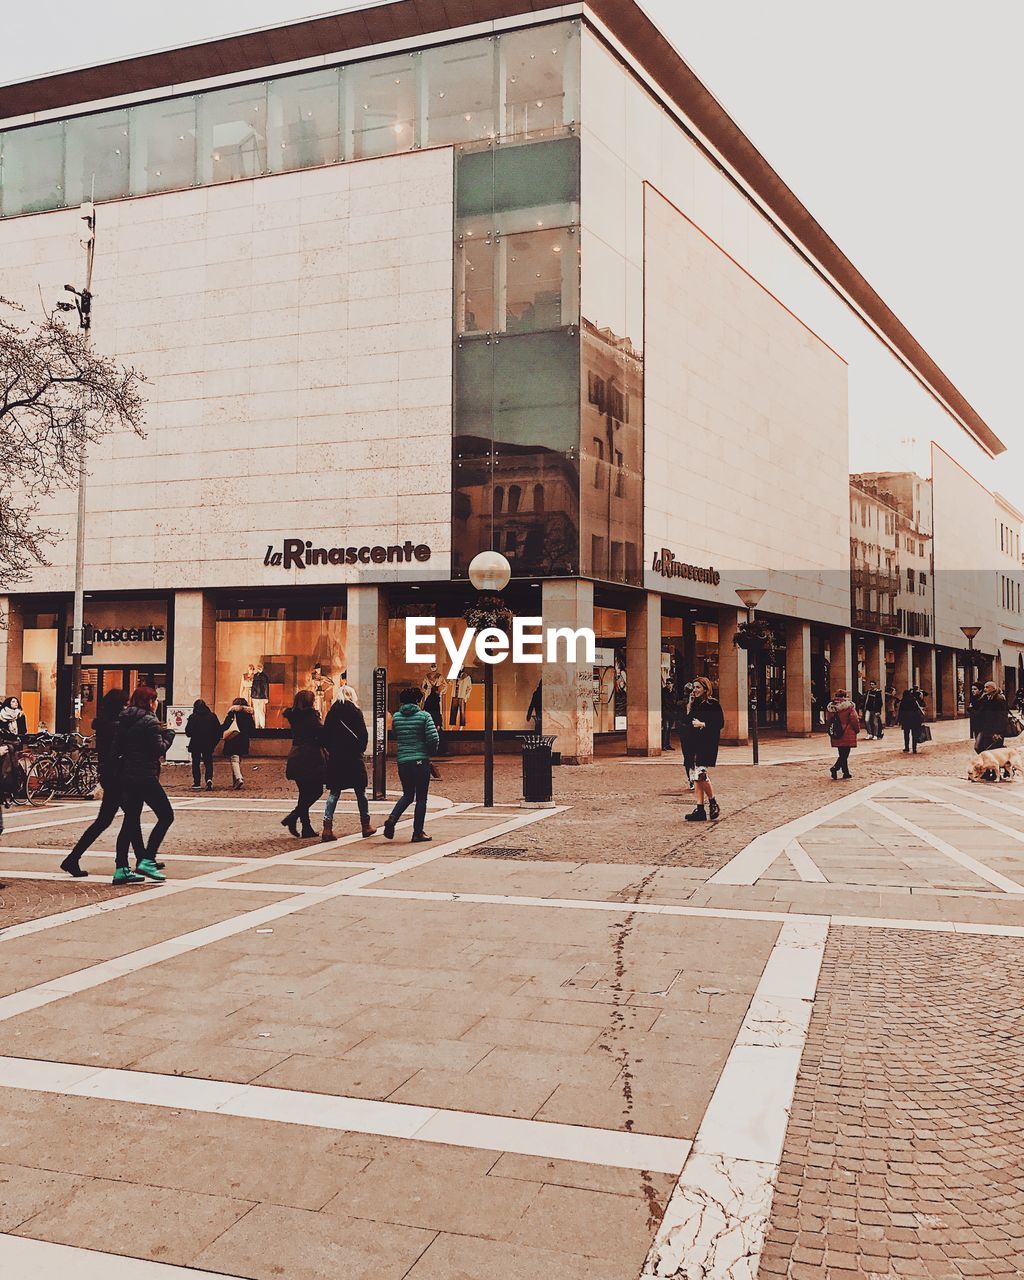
column 140, row 743
column 416, row 739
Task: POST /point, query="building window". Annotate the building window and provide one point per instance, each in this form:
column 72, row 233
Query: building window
column 514, row 494
column 163, row 146
column 97, row 157
column 538, row 497
column 304, row 121
column 498, row 500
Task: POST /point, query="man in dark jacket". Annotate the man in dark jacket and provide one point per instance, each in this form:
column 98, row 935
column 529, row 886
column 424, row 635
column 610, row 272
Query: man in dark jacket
column 260, row 696
column 873, row 710
column 203, row 730
column 991, row 718
column 416, row 739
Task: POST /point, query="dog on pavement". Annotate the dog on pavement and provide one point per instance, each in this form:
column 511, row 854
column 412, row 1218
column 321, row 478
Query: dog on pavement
column 1001, row 764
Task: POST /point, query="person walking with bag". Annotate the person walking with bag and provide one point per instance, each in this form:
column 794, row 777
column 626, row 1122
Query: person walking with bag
column 305, row 765
column 239, row 725
column 345, row 738
column 104, row 727
column 991, row 721
column 416, row 738
column 873, row 710
column 203, row 730
column 704, row 721
column 140, row 743
column 910, row 718
column 843, row 726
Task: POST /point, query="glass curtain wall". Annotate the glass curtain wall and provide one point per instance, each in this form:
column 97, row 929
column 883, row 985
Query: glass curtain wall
column 512, row 87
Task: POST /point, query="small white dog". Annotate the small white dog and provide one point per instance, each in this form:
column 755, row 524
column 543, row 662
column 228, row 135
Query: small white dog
column 1003, row 763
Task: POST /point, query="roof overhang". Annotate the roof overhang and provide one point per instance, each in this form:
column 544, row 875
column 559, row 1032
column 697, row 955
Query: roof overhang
column 623, row 20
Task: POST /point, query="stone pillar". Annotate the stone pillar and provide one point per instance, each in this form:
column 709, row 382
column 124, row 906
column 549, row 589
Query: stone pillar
column 194, row 657
column 569, row 690
column 840, row 648
column 12, row 655
column 798, row 679
column 929, row 680
column 643, row 676
column 733, row 678
column 366, row 640
column 874, row 659
column 903, row 671
column 947, row 675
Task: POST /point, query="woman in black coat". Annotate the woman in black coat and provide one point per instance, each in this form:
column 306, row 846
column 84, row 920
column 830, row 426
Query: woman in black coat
column 910, row 718
column 239, row 725
column 104, row 727
column 345, row 738
column 702, row 723
column 140, row 743
column 305, row 762
column 203, row 730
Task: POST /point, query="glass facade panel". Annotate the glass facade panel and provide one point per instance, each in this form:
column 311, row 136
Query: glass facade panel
column 97, row 157
column 304, row 121
column 458, row 90
column 32, row 169
column 381, row 99
column 233, row 133
column 540, row 80
column 494, row 180
column 163, row 145
column 297, row 647
column 475, row 266
column 541, row 284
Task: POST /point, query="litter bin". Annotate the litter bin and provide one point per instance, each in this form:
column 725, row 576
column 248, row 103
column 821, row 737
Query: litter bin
column 537, row 769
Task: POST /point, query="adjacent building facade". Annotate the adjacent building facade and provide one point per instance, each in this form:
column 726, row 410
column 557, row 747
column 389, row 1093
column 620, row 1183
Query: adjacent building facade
column 404, row 291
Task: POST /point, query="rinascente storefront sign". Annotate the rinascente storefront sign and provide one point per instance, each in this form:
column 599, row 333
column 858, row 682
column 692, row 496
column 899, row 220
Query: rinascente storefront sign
column 299, row 553
column 668, row 566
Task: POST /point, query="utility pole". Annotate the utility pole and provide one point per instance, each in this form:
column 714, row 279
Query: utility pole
column 83, row 305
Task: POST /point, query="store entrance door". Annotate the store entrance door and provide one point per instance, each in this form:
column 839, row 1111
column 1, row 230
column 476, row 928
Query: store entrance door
column 96, row 681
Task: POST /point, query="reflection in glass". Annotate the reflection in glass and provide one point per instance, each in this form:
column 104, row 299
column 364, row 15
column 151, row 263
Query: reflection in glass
column 541, row 280
column 543, row 178
column 233, row 133
column 459, row 93
column 97, row 157
column 475, row 266
column 381, row 105
column 33, row 168
column 163, row 145
column 540, row 80
column 304, row 121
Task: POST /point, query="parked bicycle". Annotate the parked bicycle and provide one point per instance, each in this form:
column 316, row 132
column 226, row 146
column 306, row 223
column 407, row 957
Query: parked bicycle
column 64, row 765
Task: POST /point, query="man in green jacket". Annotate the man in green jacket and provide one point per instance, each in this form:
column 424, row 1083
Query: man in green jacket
column 416, row 738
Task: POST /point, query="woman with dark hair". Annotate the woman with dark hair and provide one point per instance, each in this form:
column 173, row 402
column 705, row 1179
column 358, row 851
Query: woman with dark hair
column 305, row 762
column 203, row 730
column 12, row 719
column 103, row 726
column 346, row 739
column 843, row 727
column 702, row 722
column 140, row 742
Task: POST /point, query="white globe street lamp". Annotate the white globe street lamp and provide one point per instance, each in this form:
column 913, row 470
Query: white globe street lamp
column 490, row 573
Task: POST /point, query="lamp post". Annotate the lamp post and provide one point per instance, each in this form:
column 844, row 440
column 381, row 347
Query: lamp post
column 751, row 597
column 970, row 633
column 490, row 573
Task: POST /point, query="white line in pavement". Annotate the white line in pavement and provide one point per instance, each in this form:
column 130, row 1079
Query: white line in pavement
column 717, row 1216
column 22, row 1259
column 803, row 864
column 85, row 979
column 980, row 799
column 750, row 864
column 93, row 852
column 545, row 1138
column 943, row 846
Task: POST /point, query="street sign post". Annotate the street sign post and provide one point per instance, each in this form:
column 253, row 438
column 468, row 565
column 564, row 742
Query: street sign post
column 380, row 733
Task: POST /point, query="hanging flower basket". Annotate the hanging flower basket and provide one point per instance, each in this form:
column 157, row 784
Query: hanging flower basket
column 490, row 611
column 758, row 638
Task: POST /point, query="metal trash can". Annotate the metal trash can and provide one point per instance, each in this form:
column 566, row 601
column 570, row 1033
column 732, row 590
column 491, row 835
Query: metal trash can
column 537, row 785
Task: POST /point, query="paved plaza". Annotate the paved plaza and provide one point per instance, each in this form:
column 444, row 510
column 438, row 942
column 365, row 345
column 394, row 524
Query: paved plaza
column 585, row 1042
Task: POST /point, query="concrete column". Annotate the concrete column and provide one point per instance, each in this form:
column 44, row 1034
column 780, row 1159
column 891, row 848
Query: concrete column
column 840, row 648
column 929, row 678
column 643, row 676
column 733, row 678
column 903, row 672
column 194, row 648
column 12, row 656
column 947, row 675
column 366, row 640
column 569, row 689
column 798, row 679
column 874, row 659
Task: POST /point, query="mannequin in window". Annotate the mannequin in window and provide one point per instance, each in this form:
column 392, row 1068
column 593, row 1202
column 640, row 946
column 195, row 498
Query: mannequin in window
column 460, row 696
column 260, row 696
column 245, row 684
column 321, row 686
column 434, row 688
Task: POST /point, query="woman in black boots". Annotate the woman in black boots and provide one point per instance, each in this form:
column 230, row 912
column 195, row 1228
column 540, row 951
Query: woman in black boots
column 305, row 762
column 346, row 739
column 702, row 722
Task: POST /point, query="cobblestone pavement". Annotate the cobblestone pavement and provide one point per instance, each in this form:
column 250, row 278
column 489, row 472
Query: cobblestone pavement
column 22, row 900
column 903, row 1156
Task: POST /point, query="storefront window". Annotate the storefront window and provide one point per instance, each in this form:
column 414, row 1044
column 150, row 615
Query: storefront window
column 610, row 677
column 233, row 134
column 38, row 692
column 97, row 157
column 32, row 169
column 304, row 121
column 295, row 648
column 163, row 145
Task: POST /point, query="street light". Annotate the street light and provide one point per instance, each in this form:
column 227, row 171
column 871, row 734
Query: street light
column 751, row 597
column 970, row 633
column 490, row 573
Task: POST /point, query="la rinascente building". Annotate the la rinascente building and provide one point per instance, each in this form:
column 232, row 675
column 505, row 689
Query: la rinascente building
column 404, row 291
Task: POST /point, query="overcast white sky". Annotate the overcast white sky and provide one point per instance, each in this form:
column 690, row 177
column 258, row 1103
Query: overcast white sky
column 898, row 124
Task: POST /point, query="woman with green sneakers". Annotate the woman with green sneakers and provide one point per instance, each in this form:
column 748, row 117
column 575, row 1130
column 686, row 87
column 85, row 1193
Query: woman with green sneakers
column 140, row 743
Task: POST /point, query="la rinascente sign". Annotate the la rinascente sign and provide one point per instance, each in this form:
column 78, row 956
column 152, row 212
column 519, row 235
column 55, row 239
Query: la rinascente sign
column 299, row 553
column 668, row 566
